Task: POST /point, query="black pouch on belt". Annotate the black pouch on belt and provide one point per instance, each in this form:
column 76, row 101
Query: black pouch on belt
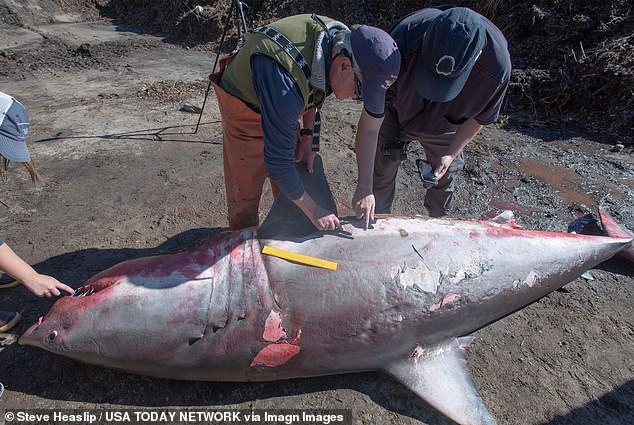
column 395, row 151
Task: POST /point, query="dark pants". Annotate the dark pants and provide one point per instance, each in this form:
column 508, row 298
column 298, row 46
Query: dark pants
column 438, row 198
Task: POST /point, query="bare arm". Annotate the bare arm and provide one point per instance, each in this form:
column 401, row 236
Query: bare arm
column 366, row 141
column 321, row 218
column 41, row 285
column 304, row 148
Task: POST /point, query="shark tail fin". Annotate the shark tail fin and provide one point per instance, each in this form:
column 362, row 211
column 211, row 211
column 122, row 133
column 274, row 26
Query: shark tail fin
column 615, row 230
column 612, row 228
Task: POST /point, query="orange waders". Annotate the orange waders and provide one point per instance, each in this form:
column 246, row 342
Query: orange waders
column 243, row 151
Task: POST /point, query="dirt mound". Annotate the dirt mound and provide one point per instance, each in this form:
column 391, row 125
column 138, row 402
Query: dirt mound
column 26, row 13
column 38, row 12
column 572, row 60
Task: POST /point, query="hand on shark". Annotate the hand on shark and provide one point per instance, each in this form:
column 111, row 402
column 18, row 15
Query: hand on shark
column 325, row 220
column 321, row 218
column 363, row 206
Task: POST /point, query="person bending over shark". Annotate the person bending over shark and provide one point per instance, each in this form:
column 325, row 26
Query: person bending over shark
column 284, row 71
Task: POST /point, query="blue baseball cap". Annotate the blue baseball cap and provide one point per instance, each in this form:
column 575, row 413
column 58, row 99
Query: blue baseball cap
column 451, row 46
column 379, row 60
column 14, row 127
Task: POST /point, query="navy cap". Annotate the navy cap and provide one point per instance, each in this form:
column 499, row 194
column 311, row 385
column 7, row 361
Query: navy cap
column 379, row 60
column 449, row 50
column 14, row 127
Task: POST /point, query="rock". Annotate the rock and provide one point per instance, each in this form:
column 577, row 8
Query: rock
column 617, row 148
column 190, row 108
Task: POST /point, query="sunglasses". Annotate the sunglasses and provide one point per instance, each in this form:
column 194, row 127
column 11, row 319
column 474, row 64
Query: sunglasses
column 358, row 96
column 357, row 88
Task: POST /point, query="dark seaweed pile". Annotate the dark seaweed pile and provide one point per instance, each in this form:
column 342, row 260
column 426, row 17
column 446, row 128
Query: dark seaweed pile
column 573, row 61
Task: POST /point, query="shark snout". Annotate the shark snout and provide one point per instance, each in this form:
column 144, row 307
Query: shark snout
column 30, row 336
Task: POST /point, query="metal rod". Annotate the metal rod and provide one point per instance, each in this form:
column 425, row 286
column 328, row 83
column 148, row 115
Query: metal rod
column 243, row 20
column 219, row 50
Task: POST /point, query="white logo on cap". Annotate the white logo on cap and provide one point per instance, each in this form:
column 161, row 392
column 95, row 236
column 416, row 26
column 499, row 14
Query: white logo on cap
column 388, row 83
column 24, row 128
column 445, row 61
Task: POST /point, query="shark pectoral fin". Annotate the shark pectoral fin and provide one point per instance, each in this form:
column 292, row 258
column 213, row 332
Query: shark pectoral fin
column 439, row 375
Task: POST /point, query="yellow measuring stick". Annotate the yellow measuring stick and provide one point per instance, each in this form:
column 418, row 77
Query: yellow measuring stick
column 299, row 258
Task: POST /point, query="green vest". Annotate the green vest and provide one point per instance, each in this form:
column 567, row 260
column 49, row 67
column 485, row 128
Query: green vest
column 302, row 31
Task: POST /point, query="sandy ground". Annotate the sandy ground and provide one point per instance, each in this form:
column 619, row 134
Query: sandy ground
column 126, row 177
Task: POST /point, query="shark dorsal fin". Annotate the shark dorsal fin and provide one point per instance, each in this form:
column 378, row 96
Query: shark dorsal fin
column 439, row 375
column 285, row 221
column 506, row 218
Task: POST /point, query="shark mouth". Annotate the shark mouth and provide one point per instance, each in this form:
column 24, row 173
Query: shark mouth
column 84, row 291
column 95, row 285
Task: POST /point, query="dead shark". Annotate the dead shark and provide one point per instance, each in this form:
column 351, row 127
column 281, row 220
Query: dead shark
column 404, row 298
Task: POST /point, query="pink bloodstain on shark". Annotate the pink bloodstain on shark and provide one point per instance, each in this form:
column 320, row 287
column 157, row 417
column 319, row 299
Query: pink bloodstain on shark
column 280, row 352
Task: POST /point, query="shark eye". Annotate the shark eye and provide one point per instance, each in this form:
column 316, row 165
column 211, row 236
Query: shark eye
column 51, row 336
